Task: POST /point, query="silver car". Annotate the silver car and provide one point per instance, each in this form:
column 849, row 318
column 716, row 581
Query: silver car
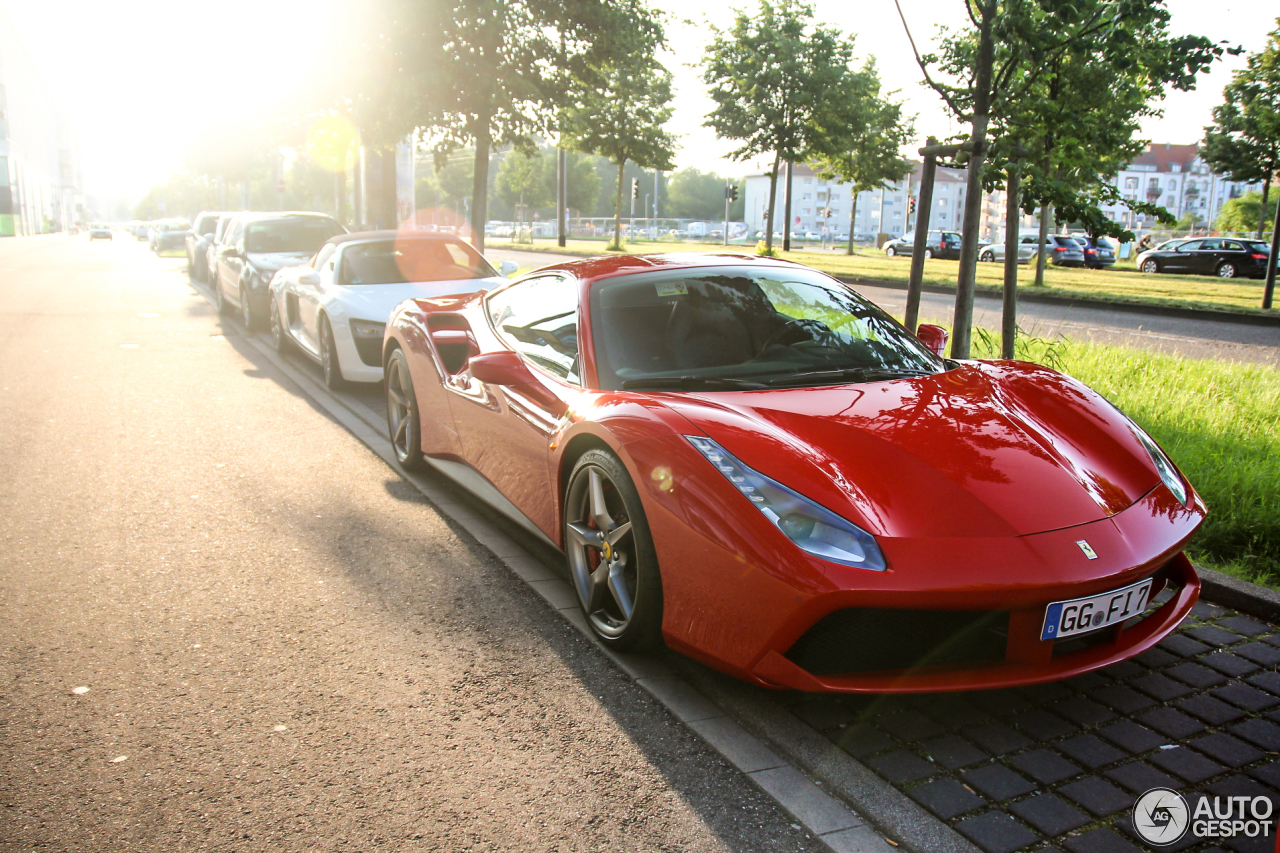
column 1027, row 244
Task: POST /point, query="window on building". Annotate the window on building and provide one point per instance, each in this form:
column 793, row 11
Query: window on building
column 1131, row 183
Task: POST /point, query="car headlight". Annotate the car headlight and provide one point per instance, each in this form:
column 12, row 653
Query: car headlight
column 1168, row 474
column 367, row 329
column 814, row 528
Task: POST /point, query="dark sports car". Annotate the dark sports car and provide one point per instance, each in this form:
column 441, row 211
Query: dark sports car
column 747, row 459
column 1224, row 257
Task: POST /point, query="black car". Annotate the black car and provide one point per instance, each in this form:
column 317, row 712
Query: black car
column 938, row 244
column 1098, row 251
column 1225, row 257
column 254, row 246
column 198, row 240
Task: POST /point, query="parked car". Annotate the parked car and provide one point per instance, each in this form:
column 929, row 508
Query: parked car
column 1225, row 257
column 334, row 308
column 254, row 247
column 216, row 241
column 1027, row 248
column 169, row 234
column 198, row 240
column 142, row 230
column 938, row 244
column 1098, row 251
column 100, row 232
column 747, row 459
column 1065, row 251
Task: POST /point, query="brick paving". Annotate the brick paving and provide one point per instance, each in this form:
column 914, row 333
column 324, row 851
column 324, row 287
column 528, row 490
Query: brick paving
column 1057, row 767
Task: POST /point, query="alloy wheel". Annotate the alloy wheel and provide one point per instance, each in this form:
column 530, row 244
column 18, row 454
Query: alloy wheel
column 602, row 553
column 1150, row 266
column 1227, row 271
column 246, row 310
column 279, row 337
column 400, row 412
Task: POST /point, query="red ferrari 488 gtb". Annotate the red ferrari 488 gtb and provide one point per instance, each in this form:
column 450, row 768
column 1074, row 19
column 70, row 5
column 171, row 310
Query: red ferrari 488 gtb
column 747, row 459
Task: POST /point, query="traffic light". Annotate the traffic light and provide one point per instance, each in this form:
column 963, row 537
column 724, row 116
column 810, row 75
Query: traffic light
column 911, row 205
column 732, row 192
column 635, row 188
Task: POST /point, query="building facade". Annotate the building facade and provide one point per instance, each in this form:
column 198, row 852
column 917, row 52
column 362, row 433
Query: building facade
column 39, row 163
column 1177, row 178
column 886, row 211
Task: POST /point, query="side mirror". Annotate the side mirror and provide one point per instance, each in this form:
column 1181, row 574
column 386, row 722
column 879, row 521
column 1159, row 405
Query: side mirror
column 310, row 278
column 508, row 268
column 933, row 337
column 500, row 368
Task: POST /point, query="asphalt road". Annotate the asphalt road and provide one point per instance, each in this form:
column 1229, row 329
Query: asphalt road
column 228, row 626
column 1177, row 335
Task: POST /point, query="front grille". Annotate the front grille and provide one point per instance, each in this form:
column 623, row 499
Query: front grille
column 370, row 350
column 863, row 639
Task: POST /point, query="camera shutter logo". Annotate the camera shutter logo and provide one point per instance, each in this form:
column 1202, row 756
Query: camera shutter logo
column 1161, row 816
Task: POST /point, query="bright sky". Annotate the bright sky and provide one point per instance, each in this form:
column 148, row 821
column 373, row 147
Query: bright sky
column 139, row 79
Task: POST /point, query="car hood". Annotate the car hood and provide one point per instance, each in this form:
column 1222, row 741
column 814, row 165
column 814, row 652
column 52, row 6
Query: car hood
column 987, row 449
column 376, row 301
column 269, row 262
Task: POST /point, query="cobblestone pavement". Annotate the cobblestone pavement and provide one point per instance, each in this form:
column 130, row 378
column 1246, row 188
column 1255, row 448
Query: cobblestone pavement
column 1058, row 766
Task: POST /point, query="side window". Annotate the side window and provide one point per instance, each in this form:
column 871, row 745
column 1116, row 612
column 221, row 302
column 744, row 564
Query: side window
column 538, row 317
column 1190, row 246
column 1210, row 245
column 235, row 230
column 1231, row 246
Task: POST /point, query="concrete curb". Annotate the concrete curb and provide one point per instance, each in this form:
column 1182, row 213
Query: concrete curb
column 826, row 818
column 1239, row 595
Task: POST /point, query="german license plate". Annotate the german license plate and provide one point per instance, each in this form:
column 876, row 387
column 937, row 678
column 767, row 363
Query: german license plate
column 1067, row 618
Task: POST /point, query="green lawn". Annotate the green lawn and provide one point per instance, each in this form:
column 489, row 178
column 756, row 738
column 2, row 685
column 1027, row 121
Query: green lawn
column 871, row 266
column 1218, row 422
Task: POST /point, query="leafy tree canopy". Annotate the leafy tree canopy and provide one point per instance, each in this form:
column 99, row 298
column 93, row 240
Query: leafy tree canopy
column 1240, row 215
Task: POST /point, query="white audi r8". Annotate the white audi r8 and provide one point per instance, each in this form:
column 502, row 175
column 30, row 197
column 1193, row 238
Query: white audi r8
column 334, row 308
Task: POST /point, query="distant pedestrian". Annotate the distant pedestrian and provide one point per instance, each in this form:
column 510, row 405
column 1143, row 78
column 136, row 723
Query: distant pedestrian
column 1144, row 243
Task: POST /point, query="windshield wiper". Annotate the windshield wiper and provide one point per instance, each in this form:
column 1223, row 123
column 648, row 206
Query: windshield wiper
column 847, row 373
column 688, row 383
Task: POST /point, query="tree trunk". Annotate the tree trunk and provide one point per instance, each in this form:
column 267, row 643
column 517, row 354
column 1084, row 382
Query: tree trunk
column 340, row 185
column 388, row 215
column 786, row 213
column 480, row 184
column 773, row 197
column 1012, row 218
column 617, row 210
column 1046, row 215
column 962, row 328
column 853, row 210
column 1262, row 213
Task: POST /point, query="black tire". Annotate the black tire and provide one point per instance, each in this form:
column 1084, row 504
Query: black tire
column 279, row 337
column 1150, row 266
column 605, row 572
column 220, row 299
column 329, row 358
column 890, row 251
column 247, row 316
column 987, row 256
column 191, row 267
column 1226, row 269
column 403, row 424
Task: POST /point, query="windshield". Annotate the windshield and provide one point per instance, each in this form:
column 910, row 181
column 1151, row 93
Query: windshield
column 745, row 327
column 409, row 259
column 290, row 235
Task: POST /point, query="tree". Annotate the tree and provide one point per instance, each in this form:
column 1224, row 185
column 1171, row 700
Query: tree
column 1244, row 141
column 1245, row 214
column 988, row 69
column 522, row 181
column 621, row 119
column 872, row 134
column 481, row 73
column 694, row 194
column 773, row 78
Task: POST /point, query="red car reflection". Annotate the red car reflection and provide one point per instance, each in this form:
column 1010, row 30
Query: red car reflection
column 745, row 458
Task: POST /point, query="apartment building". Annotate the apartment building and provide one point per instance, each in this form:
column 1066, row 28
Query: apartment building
column 1177, row 178
column 39, row 163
